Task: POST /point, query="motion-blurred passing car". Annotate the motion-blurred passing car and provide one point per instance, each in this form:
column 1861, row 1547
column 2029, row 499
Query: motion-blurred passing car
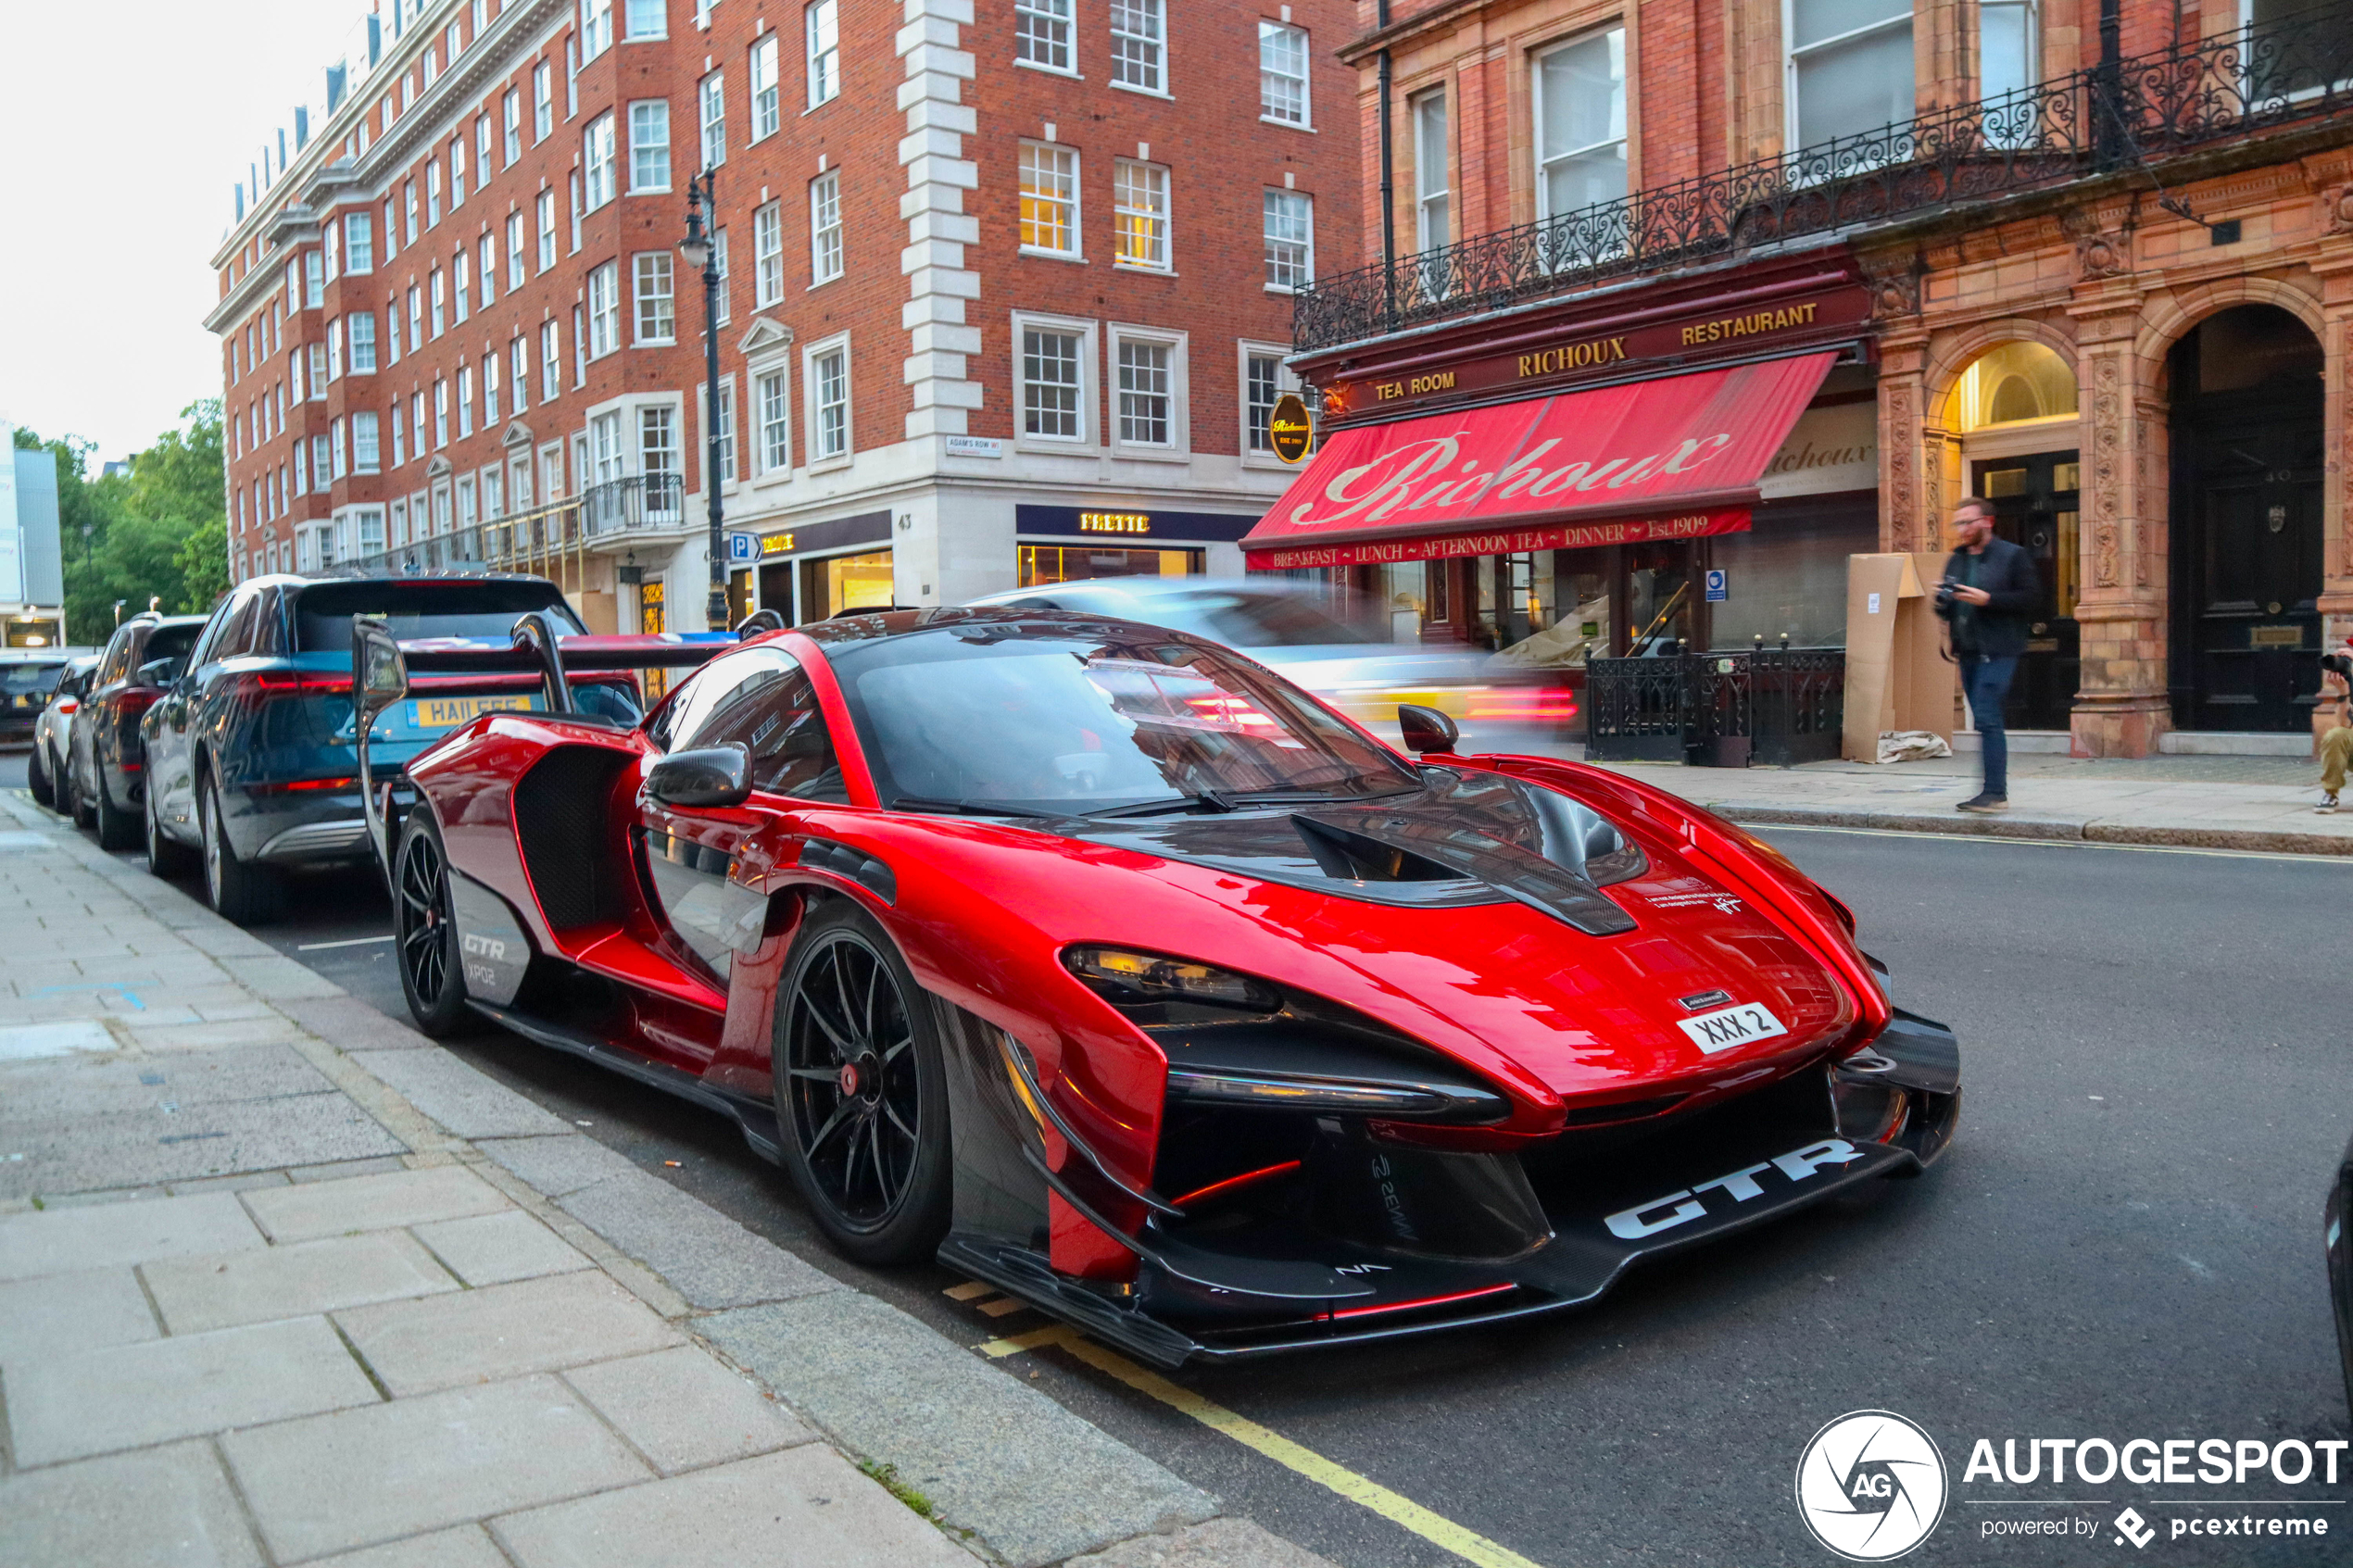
column 251, row 758
column 104, row 777
column 53, row 729
column 1355, row 670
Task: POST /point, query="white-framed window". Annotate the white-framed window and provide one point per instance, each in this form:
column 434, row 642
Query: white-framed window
column 482, row 150
column 766, row 112
column 320, row 462
column 371, row 531
column 596, row 160
column 604, row 309
column 719, row 265
column 494, row 494
column 318, row 357
column 713, row 97
column 490, row 391
column 543, row 101
column 551, row 361
column 301, row 456
column 1139, row 214
column 1263, row 380
column 330, row 244
column 1139, row 44
column 1282, row 73
column 657, row 454
column 824, row 228
column 649, row 145
column 510, row 122
column 416, row 319
column 366, row 447
column 829, row 399
column 440, row 511
column 486, row 251
column 519, row 480
column 457, row 172
column 1432, row 209
column 409, row 211
column 608, row 460
column 363, row 342
column 572, row 77
column 2008, row 48
column 725, row 429
column 1578, row 99
column 655, row 291
column 517, row 273
column 1850, row 66
column 399, row 441
column 771, row 405
column 575, row 212
column 1148, row 376
column 518, row 377
column 579, row 349
column 391, row 230
column 465, row 401
column 467, row 515
column 433, row 193
column 545, row 213
column 1290, row 219
column 314, row 289
column 416, row 420
column 335, row 372
column 337, row 445
column 647, row 18
column 767, row 256
column 359, row 242
column 461, row 276
column 1049, row 199
column 1041, row 33
column 1054, row 359
column 822, row 25
column 596, row 29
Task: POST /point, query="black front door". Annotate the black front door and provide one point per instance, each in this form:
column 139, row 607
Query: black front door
column 2034, row 507
column 2247, row 470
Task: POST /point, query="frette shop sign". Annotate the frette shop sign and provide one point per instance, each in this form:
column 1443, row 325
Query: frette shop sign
column 1673, row 458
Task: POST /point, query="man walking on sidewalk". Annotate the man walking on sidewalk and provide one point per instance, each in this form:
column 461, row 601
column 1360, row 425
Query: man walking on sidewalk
column 1988, row 593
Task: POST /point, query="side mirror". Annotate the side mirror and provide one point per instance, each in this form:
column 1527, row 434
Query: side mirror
column 379, row 675
column 716, row 775
column 1426, row 729
column 157, row 673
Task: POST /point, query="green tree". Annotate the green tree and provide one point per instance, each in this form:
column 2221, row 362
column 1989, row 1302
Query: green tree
column 158, row 534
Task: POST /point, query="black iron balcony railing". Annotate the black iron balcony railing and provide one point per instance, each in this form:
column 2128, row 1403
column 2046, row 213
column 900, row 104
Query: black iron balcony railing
column 547, row 540
column 2277, row 73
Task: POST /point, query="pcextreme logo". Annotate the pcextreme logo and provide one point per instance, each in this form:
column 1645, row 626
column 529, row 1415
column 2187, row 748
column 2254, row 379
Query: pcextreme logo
column 1870, row 1485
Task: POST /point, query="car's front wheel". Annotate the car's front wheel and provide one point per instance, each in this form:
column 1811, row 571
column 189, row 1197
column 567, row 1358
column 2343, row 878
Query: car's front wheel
column 167, row 857
column 861, row 1092
column 36, row 777
column 239, row 891
column 433, row 975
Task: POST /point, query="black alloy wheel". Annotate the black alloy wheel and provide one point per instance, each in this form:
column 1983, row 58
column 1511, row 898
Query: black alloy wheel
column 38, row 776
column 117, row 828
column 861, row 1090
column 433, row 975
column 70, row 799
column 167, row 857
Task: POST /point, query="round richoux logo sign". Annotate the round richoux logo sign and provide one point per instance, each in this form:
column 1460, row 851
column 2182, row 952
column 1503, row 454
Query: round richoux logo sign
column 1870, row 1485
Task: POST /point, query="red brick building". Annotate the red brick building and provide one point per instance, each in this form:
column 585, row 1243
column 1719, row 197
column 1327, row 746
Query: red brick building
column 2100, row 276
column 1007, row 289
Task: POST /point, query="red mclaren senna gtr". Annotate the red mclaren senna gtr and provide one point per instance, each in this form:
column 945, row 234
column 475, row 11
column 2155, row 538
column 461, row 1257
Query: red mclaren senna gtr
column 1108, row 967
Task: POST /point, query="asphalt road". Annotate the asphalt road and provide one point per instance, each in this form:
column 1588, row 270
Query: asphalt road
column 2124, row 1242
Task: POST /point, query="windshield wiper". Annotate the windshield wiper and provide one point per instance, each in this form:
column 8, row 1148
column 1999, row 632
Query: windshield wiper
column 970, row 808
column 1201, row 800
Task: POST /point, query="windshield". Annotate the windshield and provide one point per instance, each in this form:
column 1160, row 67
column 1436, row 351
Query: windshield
column 414, row 610
column 30, row 680
column 1046, row 719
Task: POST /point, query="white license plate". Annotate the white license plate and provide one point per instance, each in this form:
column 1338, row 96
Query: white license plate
column 1727, row 1027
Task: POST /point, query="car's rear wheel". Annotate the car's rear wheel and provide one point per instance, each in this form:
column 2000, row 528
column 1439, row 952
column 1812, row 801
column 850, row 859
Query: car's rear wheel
column 167, row 857
column 36, row 777
column 862, row 1093
column 117, row 828
column 433, row 976
column 239, row 891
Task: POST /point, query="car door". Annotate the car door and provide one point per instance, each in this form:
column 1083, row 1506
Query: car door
column 698, row 859
column 170, row 762
column 86, row 739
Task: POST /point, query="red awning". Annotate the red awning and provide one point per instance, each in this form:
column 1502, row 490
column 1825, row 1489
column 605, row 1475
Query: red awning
column 1669, row 458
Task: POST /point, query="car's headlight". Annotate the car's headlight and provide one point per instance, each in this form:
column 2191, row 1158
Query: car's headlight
column 1126, row 978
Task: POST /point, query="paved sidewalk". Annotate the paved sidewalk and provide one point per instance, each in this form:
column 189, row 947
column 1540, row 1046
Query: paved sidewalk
column 2263, row 804
column 281, row 1282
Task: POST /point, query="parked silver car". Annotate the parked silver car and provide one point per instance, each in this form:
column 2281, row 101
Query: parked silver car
column 1352, row 666
column 53, row 729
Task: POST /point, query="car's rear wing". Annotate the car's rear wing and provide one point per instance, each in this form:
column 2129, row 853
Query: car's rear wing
column 382, row 665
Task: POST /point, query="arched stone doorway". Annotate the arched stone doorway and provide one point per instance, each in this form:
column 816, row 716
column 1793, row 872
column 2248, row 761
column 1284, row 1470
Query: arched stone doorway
column 2014, row 410
column 2248, row 459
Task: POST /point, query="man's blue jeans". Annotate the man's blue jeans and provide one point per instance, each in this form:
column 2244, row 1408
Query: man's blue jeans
column 1985, row 680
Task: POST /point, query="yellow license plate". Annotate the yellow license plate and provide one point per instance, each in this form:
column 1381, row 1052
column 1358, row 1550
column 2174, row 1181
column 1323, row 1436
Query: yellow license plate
column 446, row 712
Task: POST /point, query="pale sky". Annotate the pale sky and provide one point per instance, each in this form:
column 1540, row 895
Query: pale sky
column 127, row 123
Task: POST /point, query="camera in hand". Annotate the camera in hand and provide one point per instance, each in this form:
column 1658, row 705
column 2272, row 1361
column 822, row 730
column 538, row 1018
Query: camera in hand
column 1945, row 591
column 2338, row 664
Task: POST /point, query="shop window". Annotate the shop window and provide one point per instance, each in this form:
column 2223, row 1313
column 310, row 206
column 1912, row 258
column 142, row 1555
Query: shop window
column 843, row 584
column 2013, row 383
column 1043, row 564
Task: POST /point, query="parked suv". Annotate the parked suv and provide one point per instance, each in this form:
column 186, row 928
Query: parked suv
column 53, row 730
column 104, row 778
column 251, row 755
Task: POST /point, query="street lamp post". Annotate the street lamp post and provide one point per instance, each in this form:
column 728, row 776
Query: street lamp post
column 702, row 222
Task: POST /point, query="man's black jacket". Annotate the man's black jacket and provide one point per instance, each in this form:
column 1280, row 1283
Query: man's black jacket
column 1997, row 628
